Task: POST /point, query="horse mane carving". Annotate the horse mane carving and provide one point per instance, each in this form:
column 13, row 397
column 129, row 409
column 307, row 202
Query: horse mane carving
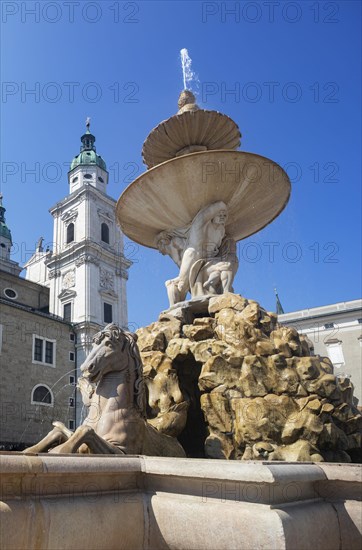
column 116, row 334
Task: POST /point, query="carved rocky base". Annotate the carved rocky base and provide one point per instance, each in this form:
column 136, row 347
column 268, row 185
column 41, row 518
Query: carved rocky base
column 231, row 383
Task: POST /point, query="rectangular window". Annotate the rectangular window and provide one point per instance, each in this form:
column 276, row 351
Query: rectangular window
column 49, row 352
column 107, row 313
column 335, row 353
column 72, row 380
column 71, row 424
column 67, row 312
column 38, row 350
column 72, row 336
column 71, row 356
column 43, row 350
column 71, row 401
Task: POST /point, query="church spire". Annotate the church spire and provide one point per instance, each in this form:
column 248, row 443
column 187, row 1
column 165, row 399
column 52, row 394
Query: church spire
column 88, row 139
column 279, row 307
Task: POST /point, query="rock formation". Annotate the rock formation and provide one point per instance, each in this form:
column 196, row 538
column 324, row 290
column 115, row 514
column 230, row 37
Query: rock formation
column 232, row 383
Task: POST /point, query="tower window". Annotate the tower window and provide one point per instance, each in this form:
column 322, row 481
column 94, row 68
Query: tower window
column 105, row 233
column 10, row 293
column 41, row 396
column 67, row 312
column 88, row 176
column 107, row 313
column 70, row 233
column 75, row 179
column 100, row 179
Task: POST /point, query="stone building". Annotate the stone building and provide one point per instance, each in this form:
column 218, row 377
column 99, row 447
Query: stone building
column 69, row 293
column 335, row 331
column 37, row 355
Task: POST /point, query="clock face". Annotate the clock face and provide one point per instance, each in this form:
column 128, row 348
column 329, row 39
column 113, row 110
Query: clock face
column 69, row 279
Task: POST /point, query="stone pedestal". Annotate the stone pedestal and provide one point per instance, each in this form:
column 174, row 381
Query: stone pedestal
column 139, row 502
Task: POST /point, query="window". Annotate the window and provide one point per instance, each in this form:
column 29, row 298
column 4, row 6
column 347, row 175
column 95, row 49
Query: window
column 107, row 313
column 10, row 293
column 72, row 336
column 88, row 176
column 71, row 401
column 335, row 353
column 72, row 380
column 105, row 233
column 100, row 179
column 38, row 350
column 49, row 346
column 71, row 425
column 70, row 233
column 42, row 395
column 67, row 312
column 75, row 179
column 359, row 321
column 329, row 325
column 43, row 350
column 71, row 356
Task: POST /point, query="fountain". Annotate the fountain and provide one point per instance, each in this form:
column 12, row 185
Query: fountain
column 221, row 375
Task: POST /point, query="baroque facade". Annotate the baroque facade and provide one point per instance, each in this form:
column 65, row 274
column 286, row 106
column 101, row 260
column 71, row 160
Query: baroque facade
column 68, row 294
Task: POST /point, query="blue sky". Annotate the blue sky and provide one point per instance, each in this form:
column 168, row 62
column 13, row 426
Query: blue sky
column 295, row 72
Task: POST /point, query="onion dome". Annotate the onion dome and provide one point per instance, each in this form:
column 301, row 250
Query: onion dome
column 88, row 155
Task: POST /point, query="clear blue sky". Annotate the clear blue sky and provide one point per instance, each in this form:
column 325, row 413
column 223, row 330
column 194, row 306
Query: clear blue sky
column 296, row 72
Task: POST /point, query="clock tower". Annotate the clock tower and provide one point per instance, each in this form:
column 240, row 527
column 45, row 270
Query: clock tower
column 87, row 271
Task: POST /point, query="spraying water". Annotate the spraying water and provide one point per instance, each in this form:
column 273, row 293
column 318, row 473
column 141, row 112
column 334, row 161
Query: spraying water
column 187, row 73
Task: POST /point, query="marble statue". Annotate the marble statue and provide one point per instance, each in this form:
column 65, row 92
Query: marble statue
column 205, row 255
column 113, row 389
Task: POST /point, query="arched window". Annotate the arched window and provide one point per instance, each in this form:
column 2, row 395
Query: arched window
column 41, row 395
column 70, row 233
column 105, row 233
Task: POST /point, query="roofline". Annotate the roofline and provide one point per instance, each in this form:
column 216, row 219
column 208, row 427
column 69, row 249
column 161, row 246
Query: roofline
column 34, row 311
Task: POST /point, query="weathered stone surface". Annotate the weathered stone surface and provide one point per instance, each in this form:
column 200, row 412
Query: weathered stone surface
column 178, row 349
column 228, row 300
column 254, row 390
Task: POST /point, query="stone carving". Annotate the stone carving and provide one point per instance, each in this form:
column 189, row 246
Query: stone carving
column 253, row 389
column 112, row 387
column 86, row 258
column 106, row 279
column 205, row 255
column 69, row 279
column 70, row 215
column 54, row 273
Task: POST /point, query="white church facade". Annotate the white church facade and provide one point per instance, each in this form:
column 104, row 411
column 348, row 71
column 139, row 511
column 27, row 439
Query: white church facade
column 86, row 272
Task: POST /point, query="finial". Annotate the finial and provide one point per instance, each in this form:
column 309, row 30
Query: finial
column 87, row 123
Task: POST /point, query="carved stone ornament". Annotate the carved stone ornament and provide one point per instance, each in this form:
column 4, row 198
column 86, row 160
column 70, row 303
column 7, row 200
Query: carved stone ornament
column 70, row 215
column 104, row 214
column 86, row 258
column 106, row 279
column 69, row 279
column 53, row 274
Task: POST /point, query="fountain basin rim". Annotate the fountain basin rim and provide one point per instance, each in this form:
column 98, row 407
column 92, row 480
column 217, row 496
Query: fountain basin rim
column 169, row 195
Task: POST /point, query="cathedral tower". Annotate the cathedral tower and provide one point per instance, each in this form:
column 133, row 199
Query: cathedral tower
column 86, row 272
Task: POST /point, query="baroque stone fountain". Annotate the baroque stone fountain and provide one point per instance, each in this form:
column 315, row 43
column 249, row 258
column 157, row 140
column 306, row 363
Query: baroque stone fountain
column 248, row 388
column 220, row 375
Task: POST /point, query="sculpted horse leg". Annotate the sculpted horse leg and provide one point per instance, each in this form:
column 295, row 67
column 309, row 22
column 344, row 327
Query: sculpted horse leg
column 86, row 435
column 58, row 435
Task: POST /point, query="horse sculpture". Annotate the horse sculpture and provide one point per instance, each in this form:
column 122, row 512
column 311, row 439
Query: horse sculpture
column 113, row 389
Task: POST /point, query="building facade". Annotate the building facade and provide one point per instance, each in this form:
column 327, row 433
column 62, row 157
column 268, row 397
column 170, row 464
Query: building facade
column 69, row 294
column 86, row 272
column 37, row 358
column 336, row 332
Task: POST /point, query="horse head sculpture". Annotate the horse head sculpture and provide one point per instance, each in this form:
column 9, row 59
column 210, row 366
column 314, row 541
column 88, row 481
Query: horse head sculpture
column 113, row 389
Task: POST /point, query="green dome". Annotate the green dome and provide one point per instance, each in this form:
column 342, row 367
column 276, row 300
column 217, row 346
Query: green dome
column 4, row 230
column 88, row 157
column 88, row 153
